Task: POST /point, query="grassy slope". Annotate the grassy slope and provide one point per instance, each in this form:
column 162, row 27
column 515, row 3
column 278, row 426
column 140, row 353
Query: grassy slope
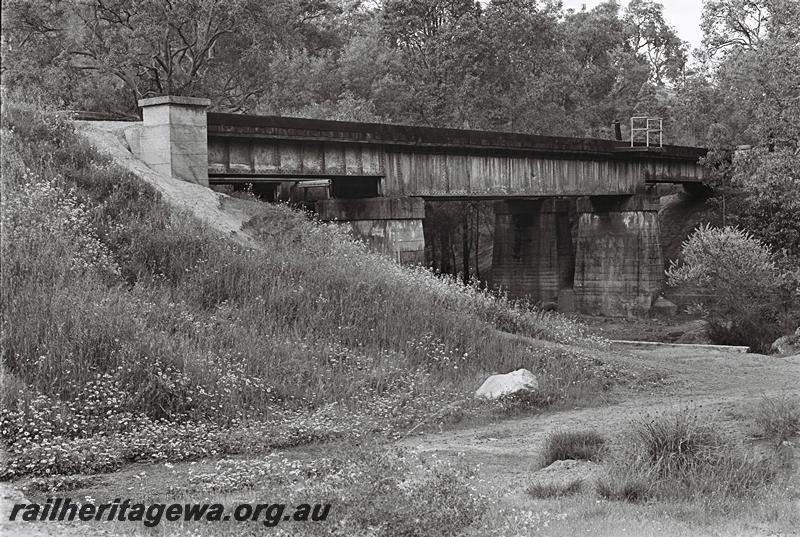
column 131, row 331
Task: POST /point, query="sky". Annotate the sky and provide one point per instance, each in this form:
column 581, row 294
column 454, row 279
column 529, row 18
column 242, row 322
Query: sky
column 683, row 15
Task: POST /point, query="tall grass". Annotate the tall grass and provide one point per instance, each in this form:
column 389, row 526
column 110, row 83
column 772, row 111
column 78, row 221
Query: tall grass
column 678, row 456
column 778, row 418
column 111, row 296
column 577, row 445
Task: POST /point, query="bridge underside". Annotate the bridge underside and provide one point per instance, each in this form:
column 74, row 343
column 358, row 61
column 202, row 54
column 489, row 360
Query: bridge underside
column 574, row 225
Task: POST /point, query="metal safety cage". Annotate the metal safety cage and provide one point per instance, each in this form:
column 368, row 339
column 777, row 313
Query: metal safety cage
column 652, row 126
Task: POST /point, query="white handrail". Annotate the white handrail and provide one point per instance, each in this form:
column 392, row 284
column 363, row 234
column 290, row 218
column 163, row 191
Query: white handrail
column 648, row 128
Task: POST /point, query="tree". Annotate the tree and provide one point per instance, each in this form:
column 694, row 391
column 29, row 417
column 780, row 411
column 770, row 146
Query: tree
column 733, row 23
column 153, row 47
column 770, row 185
column 650, row 36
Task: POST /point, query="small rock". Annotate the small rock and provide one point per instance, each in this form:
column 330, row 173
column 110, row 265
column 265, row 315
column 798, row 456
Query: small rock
column 562, row 473
column 497, row 386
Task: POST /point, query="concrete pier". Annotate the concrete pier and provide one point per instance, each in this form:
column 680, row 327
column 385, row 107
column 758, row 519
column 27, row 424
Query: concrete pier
column 532, row 254
column 618, row 261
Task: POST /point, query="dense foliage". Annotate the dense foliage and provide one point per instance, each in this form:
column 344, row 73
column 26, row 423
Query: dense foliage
column 524, row 65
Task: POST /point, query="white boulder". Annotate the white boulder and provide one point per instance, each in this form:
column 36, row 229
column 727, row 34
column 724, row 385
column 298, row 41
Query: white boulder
column 497, row 386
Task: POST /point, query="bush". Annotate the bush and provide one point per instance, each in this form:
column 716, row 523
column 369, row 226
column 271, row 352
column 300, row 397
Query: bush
column 578, row 445
column 624, row 486
column 390, row 500
column 748, row 298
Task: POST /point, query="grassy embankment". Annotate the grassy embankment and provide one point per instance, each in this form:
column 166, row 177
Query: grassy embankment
column 134, row 333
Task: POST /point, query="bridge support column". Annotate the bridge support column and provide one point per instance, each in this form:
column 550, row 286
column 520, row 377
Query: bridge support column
column 173, row 137
column 618, row 260
column 532, row 254
column 392, row 226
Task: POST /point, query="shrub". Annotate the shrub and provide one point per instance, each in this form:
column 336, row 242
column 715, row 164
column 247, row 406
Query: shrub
column 578, row 445
column 388, row 498
column 778, row 418
column 748, row 298
column 672, row 442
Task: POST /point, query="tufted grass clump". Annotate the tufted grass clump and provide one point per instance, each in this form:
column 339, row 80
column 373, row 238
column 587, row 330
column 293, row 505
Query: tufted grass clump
column 577, row 445
column 778, row 418
column 678, row 456
column 554, row 490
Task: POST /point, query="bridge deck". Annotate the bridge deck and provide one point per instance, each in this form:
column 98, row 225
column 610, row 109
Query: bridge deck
column 437, row 162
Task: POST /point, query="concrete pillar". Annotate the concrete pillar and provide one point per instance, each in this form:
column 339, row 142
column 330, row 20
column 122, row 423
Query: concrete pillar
column 528, row 259
column 173, row 138
column 618, row 260
column 392, row 226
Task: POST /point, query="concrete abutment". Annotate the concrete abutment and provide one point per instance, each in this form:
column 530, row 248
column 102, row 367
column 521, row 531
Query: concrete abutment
column 391, row 226
column 173, row 137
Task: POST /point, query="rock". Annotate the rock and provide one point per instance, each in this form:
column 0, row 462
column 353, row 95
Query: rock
column 664, row 307
column 787, row 345
column 497, row 386
column 561, row 474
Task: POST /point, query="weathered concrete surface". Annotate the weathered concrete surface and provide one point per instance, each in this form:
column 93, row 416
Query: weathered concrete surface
column 618, row 262
column 532, row 254
column 109, row 137
column 173, row 137
column 392, row 226
column 372, row 209
column 699, row 346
